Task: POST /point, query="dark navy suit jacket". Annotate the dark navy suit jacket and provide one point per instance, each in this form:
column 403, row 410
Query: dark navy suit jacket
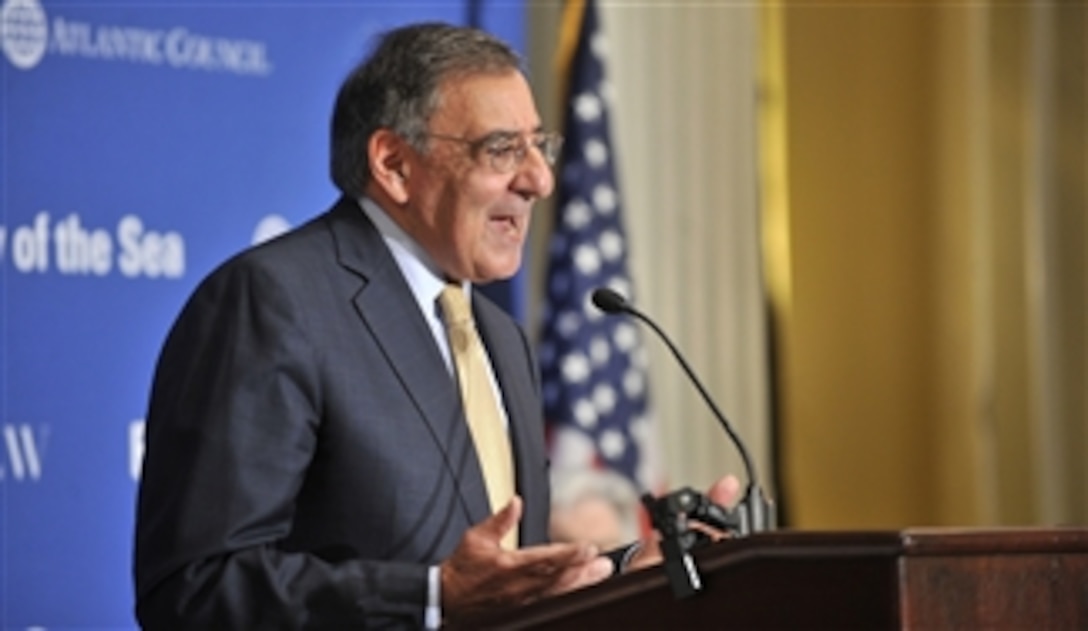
column 307, row 458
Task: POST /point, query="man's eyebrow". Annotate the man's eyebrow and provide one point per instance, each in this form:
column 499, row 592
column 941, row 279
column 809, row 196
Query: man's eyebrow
column 507, row 134
column 501, row 134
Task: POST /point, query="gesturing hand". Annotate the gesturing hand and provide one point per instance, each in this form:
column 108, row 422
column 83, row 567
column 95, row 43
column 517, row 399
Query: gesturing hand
column 481, row 576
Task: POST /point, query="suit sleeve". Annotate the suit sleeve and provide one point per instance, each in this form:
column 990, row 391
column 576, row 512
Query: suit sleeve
column 233, row 424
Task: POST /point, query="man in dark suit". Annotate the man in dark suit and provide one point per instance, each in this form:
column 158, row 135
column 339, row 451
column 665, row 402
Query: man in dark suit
column 308, row 462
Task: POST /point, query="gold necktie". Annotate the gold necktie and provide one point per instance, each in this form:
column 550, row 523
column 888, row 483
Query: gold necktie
column 478, row 398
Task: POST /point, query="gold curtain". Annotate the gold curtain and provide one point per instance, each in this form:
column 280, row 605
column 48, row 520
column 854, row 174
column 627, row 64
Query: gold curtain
column 929, row 216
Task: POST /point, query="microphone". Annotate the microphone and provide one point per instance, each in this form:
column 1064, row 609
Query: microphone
column 756, row 511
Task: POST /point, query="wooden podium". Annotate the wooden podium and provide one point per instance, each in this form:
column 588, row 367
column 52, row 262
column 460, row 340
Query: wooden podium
column 913, row 579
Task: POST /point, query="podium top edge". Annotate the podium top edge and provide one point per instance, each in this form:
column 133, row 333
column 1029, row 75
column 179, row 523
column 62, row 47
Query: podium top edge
column 919, row 541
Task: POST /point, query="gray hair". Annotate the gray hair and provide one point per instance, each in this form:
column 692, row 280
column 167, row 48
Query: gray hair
column 573, row 484
column 397, row 88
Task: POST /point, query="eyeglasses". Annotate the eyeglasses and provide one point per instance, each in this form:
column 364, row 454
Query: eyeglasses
column 506, row 151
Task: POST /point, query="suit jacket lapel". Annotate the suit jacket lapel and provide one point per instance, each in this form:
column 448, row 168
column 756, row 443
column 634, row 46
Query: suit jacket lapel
column 388, row 309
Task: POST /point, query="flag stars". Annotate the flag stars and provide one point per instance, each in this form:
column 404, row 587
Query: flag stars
column 602, row 391
column 598, row 44
column 577, row 214
column 625, row 337
column 604, row 399
column 587, row 259
column 612, row 444
column 596, row 152
column 605, row 199
column 575, row 368
column 634, row 383
column 585, row 414
column 599, row 351
column 610, row 245
column 587, row 107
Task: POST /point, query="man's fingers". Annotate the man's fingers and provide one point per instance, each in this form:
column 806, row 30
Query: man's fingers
column 594, row 571
column 712, row 533
column 579, row 576
column 480, row 576
column 554, row 569
column 496, row 526
column 557, row 555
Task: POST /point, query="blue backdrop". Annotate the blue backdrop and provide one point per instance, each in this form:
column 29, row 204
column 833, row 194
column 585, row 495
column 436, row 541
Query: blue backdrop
column 140, row 145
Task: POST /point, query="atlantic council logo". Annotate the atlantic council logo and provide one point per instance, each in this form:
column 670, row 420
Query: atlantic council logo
column 27, row 35
column 24, row 32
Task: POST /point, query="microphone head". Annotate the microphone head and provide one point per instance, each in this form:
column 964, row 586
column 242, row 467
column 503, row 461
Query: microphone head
column 609, row 301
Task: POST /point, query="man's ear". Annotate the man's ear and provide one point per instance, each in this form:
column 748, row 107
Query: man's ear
column 389, row 168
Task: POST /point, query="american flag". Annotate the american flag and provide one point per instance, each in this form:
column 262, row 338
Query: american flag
column 593, row 365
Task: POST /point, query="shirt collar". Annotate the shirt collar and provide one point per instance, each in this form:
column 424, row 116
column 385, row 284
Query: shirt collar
column 418, row 268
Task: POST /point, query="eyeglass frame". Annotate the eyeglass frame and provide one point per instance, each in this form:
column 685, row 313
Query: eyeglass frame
column 548, row 143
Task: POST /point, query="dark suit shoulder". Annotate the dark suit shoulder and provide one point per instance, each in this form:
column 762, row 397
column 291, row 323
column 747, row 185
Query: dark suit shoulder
column 306, row 255
column 281, row 250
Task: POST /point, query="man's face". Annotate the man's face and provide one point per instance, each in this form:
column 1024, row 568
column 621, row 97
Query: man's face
column 470, row 217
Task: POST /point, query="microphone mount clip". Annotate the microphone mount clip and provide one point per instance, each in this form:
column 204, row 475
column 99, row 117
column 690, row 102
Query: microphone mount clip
column 671, row 515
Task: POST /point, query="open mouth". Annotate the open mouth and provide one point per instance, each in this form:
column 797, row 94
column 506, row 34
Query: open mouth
column 506, row 223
